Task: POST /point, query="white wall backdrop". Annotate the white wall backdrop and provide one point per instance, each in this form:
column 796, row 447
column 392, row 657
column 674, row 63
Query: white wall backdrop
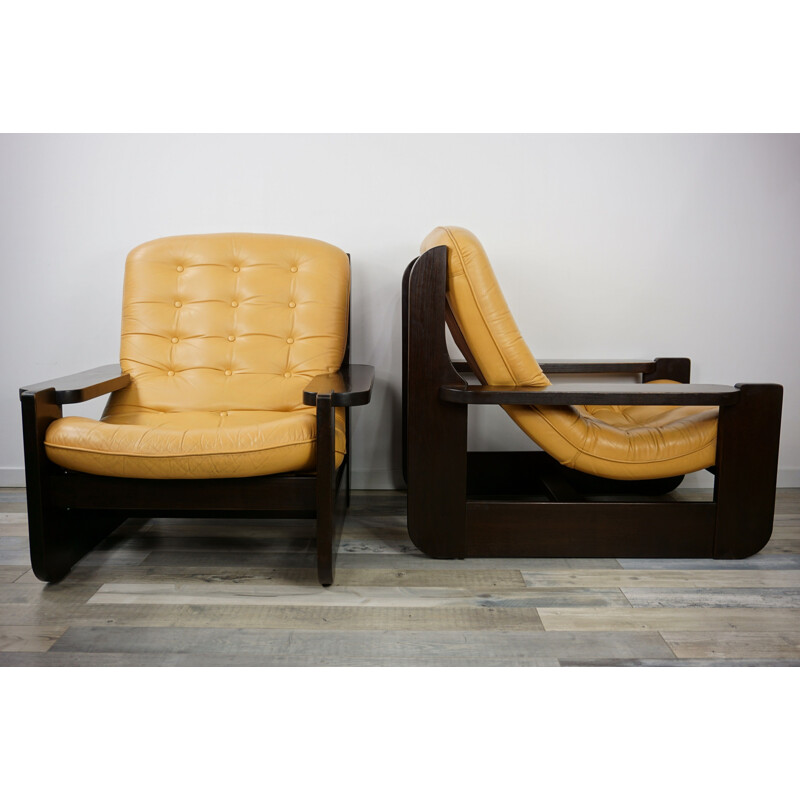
column 605, row 245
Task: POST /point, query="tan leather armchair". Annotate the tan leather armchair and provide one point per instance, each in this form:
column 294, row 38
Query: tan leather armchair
column 621, row 441
column 231, row 398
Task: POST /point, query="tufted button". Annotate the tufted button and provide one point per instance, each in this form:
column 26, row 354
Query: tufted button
column 178, row 304
column 174, row 340
column 223, row 413
column 179, row 268
column 236, row 269
column 170, row 373
column 292, row 304
column 294, row 269
column 287, row 374
column 227, row 372
column 234, row 304
column 231, row 338
column 290, row 340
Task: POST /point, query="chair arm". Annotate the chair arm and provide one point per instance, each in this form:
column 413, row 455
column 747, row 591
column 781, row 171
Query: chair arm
column 82, row 386
column 351, row 386
column 588, row 365
column 637, row 394
column 585, row 365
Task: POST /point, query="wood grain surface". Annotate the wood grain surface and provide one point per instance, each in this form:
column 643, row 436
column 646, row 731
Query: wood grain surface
column 186, row 592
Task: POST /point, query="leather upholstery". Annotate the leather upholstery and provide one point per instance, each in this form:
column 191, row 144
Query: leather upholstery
column 220, row 334
column 621, row 442
column 478, row 304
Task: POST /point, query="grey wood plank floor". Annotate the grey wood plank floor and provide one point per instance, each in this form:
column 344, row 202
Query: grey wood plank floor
column 178, row 592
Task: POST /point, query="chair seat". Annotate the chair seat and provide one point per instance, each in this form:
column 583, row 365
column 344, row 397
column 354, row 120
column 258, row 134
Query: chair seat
column 190, row 444
column 624, row 442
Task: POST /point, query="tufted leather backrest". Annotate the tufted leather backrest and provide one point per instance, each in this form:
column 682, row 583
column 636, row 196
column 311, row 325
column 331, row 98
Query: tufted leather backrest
column 481, row 312
column 240, row 321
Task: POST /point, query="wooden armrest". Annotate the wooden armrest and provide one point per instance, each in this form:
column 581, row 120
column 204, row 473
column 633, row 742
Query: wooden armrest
column 637, row 394
column 81, row 386
column 351, row 386
column 576, row 366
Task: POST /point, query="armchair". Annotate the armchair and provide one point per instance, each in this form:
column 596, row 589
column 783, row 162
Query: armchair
column 609, row 452
column 231, row 399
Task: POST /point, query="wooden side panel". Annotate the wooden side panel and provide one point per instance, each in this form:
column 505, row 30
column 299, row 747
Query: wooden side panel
column 59, row 535
column 436, row 431
column 747, row 470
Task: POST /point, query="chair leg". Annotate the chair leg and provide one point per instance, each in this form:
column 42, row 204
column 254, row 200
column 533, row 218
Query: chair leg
column 331, row 504
column 349, row 456
column 746, row 470
column 58, row 537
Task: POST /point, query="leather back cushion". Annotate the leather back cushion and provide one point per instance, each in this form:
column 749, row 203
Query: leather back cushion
column 482, row 313
column 230, row 321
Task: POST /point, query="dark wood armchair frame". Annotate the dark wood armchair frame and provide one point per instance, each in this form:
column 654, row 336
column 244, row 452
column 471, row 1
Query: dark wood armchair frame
column 69, row 513
column 484, row 504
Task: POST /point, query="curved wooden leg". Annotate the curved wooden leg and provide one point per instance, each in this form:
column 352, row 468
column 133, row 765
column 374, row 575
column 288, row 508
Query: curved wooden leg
column 58, row 536
column 746, row 470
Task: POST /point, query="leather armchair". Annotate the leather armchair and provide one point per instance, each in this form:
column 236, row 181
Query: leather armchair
column 232, row 397
column 620, row 440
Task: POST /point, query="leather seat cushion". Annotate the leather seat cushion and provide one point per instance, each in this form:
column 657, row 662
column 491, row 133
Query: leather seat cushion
column 621, row 442
column 624, row 442
column 190, row 444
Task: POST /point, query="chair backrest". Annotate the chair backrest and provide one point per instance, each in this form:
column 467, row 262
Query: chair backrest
column 230, row 321
column 479, row 318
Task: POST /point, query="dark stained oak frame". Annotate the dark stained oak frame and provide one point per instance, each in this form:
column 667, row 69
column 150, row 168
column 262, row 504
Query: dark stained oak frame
column 69, row 513
column 525, row 504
